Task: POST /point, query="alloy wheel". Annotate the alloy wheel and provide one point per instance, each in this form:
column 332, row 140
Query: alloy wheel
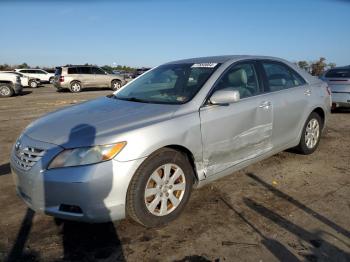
column 5, row 91
column 76, row 87
column 312, row 133
column 116, row 85
column 165, row 189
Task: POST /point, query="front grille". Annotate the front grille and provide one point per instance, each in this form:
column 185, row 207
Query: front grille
column 27, row 157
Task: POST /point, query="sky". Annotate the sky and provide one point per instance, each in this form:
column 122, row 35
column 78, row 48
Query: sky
column 152, row 32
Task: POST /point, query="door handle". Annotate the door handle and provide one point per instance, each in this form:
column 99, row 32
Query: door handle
column 265, row 105
column 307, row 92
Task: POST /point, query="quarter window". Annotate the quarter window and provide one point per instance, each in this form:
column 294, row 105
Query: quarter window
column 72, row 70
column 281, row 77
column 241, row 77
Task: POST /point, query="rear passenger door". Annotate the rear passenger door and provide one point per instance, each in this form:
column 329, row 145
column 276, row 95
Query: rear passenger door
column 85, row 76
column 288, row 93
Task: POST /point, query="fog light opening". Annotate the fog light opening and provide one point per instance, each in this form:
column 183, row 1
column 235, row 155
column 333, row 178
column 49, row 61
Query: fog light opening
column 70, row 209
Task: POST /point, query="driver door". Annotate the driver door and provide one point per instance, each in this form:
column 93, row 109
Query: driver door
column 239, row 131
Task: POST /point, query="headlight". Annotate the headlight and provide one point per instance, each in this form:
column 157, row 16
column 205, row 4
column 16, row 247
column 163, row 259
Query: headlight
column 86, row 155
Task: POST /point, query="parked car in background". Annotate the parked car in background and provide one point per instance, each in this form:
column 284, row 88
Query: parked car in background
column 44, row 76
column 76, row 77
column 10, row 84
column 140, row 71
column 26, row 81
column 338, row 80
column 124, row 74
column 141, row 150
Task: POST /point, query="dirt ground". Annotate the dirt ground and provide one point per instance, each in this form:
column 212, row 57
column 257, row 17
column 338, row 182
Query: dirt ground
column 287, row 208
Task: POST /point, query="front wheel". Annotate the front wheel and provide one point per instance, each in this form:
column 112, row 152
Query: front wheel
column 160, row 188
column 311, row 134
column 116, row 84
column 6, row 90
column 33, row 83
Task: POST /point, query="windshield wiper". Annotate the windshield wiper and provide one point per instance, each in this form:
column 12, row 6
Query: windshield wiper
column 133, row 99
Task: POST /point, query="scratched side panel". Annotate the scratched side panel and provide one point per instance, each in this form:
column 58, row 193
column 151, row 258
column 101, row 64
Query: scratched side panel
column 235, row 133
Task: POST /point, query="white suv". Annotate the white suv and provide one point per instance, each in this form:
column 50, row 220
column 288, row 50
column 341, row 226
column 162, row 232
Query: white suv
column 26, row 81
column 10, row 84
column 37, row 73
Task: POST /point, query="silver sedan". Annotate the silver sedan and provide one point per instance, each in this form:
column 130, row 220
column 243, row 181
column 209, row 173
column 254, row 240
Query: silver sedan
column 338, row 80
column 140, row 151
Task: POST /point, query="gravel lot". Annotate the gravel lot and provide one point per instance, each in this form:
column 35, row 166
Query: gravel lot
column 289, row 207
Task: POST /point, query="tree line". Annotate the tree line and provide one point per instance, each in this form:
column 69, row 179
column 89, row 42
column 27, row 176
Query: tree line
column 109, row 69
column 316, row 68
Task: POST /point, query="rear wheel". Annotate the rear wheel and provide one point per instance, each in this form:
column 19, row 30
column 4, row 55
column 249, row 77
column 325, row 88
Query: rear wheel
column 116, row 84
column 75, row 87
column 160, row 188
column 33, row 83
column 311, row 134
column 51, row 80
column 6, row 90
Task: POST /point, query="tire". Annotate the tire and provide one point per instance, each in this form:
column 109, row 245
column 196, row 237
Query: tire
column 51, row 80
column 162, row 194
column 6, row 90
column 311, row 134
column 33, row 83
column 116, row 85
column 75, row 87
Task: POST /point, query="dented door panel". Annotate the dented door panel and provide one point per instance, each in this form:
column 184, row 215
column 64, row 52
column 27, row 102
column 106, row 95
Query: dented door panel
column 235, row 133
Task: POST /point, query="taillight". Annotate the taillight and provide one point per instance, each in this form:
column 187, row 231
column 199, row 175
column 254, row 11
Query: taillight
column 61, row 78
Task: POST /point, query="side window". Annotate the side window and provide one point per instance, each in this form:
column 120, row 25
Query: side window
column 281, row 77
column 97, row 71
column 84, row 70
column 241, row 77
column 30, row 72
column 39, row 72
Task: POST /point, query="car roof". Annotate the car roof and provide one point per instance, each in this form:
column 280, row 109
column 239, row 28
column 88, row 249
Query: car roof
column 77, row 66
column 221, row 59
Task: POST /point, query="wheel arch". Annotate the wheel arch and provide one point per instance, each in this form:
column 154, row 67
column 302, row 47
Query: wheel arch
column 184, row 151
column 321, row 113
column 190, row 157
column 74, row 80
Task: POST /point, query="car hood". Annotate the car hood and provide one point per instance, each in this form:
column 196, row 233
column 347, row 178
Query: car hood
column 96, row 122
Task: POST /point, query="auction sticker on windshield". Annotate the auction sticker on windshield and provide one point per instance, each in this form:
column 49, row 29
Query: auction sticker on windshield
column 207, row 65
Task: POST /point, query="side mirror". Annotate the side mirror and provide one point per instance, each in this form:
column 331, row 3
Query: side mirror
column 225, row 96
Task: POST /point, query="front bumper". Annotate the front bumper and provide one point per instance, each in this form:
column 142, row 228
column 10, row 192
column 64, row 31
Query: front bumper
column 97, row 192
column 341, row 99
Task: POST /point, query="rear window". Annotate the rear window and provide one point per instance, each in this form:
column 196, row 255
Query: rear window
column 72, row 70
column 58, row 71
column 338, row 73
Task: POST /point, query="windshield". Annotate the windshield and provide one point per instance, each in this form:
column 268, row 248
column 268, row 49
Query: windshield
column 168, row 84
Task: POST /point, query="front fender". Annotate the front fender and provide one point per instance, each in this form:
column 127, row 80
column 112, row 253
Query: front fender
column 181, row 130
